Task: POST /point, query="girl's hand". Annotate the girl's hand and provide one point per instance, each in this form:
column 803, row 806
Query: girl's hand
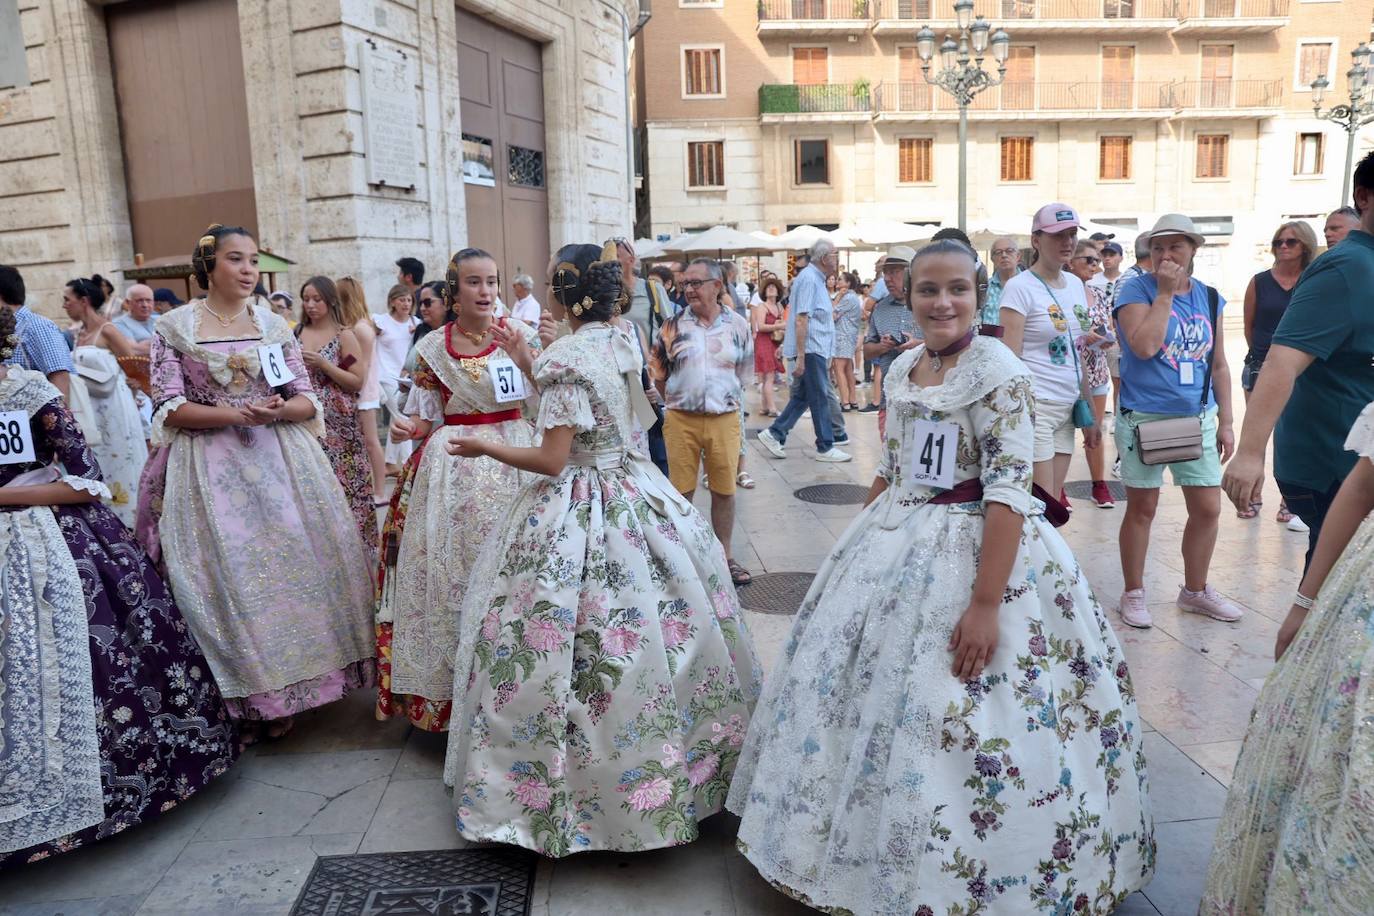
column 264, row 412
column 1092, row 437
column 402, row 429
column 974, row 641
column 466, row 447
column 1226, row 441
column 548, row 328
column 1291, row 625
column 515, row 345
column 312, row 359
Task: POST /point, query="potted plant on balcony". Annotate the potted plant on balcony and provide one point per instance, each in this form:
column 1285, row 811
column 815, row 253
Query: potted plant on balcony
column 860, row 9
column 862, row 91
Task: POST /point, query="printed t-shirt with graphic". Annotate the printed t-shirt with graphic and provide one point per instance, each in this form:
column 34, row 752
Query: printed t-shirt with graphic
column 1054, row 321
column 1170, row 382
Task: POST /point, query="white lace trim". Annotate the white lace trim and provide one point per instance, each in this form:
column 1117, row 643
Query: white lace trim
column 987, row 364
column 1361, row 438
column 86, row 485
column 162, row 433
column 315, row 425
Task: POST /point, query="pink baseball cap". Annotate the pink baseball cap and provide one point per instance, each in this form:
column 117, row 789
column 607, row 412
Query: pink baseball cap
column 1054, row 218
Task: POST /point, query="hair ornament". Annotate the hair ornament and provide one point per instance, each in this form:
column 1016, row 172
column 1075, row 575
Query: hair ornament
column 608, row 254
column 584, row 306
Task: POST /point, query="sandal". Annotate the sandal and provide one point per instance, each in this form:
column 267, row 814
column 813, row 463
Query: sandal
column 1284, row 516
column 1250, row 512
column 744, row 480
column 381, row 502
column 738, row 574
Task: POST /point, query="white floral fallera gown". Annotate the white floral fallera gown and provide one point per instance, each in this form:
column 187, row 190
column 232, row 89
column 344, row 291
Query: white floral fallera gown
column 1297, row 833
column 604, row 677
column 873, row 781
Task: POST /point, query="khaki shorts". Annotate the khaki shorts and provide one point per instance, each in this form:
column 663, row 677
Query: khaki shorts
column 694, row 439
column 1053, row 430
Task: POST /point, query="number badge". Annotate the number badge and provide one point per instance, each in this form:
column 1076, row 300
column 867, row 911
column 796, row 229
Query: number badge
column 16, row 438
column 506, row 380
column 275, row 371
column 933, row 455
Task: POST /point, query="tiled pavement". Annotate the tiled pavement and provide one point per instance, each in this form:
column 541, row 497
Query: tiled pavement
column 344, row 783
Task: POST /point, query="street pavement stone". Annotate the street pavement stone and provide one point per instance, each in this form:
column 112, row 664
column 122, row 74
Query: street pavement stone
column 343, row 782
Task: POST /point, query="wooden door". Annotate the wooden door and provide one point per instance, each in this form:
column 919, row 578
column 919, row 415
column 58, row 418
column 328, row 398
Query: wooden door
column 1217, row 70
column 1018, row 89
column 810, row 66
column 183, row 120
column 1118, row 75
column 501, row 88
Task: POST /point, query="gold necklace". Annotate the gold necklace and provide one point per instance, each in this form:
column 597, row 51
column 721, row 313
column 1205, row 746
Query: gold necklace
column 223, row 322
column 476, row 337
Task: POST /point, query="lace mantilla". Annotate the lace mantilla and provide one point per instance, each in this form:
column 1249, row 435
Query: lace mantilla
column 178, row 328
column 987, row 364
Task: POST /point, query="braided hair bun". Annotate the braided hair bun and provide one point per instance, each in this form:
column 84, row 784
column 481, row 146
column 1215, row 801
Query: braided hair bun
column 203, row 258
column 586, row 281
column 9, row 337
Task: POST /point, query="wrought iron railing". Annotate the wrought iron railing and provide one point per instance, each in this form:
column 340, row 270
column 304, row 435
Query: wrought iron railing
column 1134, row 95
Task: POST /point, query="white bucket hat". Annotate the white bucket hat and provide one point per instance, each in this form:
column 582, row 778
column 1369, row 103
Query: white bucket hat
column 1176, row 224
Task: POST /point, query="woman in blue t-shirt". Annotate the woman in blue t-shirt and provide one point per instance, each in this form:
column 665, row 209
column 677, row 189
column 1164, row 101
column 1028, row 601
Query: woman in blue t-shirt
column 1173, row 364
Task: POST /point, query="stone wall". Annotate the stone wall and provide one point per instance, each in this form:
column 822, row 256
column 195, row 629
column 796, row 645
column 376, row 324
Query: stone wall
column 63, row 209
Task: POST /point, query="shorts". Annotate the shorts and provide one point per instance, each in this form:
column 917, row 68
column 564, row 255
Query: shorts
column 1053, row 430
column 1200, row 472
column 1101, row 391
column 694, row 439
column 1114, row 362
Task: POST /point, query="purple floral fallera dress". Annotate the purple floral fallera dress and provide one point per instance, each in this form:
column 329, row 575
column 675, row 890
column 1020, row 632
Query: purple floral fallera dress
column 873, row 782
column 108, row 712
column 604, row 676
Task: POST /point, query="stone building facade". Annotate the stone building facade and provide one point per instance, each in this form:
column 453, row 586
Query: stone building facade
column 131, row 118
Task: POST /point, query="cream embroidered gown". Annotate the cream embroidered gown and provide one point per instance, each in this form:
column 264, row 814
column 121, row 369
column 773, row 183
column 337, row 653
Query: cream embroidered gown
column 874, row 782
column 1297, row 834
column 453, row 506
column 605, row 677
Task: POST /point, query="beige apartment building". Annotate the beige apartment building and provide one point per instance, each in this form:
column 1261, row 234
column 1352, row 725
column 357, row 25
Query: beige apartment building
column 767, row 114
column 345, row 133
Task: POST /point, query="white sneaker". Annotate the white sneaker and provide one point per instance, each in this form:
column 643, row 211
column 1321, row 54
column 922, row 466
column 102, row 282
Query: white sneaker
column 834, row 454
column 1116, row 468
column 771, row 443
column 1298, row 525
column 1210, row 603
column 1133, row 610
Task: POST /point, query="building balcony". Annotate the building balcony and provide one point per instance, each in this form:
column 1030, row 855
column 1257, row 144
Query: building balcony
column 807, row 18
column 784, row 102
column 1231, row 17
column 1082, row 101
column 1019, row 16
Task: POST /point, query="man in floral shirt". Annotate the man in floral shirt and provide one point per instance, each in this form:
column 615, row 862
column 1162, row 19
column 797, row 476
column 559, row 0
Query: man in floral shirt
column 699, row 363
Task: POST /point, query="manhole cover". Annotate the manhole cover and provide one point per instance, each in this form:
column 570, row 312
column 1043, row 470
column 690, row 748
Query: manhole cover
column 470, row 882
column 776, row 593
column 1083, row 489
column 833, row 494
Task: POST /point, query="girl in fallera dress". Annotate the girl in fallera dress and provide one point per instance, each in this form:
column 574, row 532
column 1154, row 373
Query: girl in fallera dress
column 442, row 515
column 255, row 531
column 1297, row 833
column 952, row 727
column 330, row 351
column 604, row 678
column 108, row 713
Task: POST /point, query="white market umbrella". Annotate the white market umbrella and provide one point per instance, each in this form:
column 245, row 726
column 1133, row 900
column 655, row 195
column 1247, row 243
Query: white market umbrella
column 717, row 241
column 803, row 237
column 881, row 233
column 648, row 249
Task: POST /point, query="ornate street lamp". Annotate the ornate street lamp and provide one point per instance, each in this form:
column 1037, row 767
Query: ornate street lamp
column 962, row 75
column 1353, row 116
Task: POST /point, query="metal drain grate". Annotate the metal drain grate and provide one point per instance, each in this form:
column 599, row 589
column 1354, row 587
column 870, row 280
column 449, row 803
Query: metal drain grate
column 457, row 882
column 1083, row 489
column 833, row 494
column 776, row 593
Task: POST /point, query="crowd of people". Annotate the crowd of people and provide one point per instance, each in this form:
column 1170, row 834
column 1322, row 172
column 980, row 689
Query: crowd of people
column 190, row 499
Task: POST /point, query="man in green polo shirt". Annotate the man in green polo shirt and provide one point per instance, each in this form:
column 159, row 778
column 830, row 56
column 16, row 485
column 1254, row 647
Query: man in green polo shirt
column 1318, row 376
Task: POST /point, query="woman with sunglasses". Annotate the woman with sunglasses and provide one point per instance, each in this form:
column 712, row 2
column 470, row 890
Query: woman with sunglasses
column 1085, row 264
column 1266, row 299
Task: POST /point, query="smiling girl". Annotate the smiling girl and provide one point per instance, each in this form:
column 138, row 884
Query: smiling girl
column 952, row 727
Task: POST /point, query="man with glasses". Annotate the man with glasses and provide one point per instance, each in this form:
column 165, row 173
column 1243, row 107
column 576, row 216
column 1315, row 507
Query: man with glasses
column 699, row 365
column 809, row 343
column 1006, row 263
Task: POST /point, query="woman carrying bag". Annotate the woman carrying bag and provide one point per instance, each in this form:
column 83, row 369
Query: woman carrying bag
column 1175, row 413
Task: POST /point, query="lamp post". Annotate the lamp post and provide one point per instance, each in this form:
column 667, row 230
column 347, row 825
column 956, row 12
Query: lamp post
column 962, row 75
column 1353, row 116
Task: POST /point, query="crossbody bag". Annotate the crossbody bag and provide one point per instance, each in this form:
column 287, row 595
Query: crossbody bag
column 1179, row 438
column 1083, row 417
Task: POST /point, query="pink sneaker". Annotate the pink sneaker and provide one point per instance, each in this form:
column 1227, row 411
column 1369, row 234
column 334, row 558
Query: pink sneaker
column 1210, row 603
column 1133, row 610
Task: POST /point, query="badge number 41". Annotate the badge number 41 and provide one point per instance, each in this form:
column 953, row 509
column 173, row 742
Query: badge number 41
column 506, row 380
column 16, row 438
column 934, row 451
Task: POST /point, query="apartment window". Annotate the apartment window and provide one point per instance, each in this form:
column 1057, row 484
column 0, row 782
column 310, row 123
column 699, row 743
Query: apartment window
column 706, row 164
column 1314, row 60
column 1309, row 154
column 1118, row 9
column 1114, row 158
column 1218, row 67
column 1018, row 89
column 702, row 72
column 14, row 68
column 810, row 66
column 1017, row 156
column 811, row 160
column 913, row 159
column 1118, row 75
column 1212, row 155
